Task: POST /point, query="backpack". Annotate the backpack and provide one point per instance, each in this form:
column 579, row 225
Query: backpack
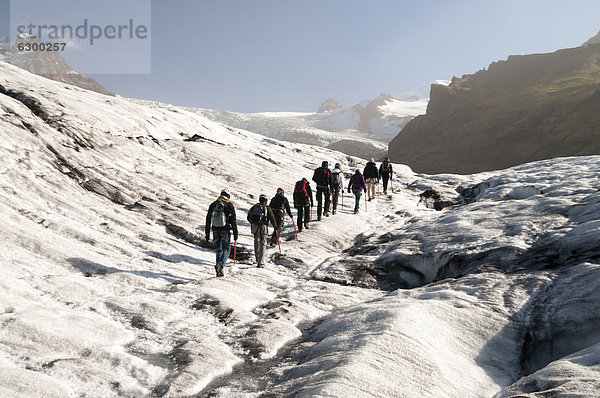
column 336, row 180
column 385, row 167
column 321, row 176
column 218, row 216
column 256, row 214
column 300, row 191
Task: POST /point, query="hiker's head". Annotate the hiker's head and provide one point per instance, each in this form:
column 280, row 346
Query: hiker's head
column 357, row 171
column 372, row 160
column 338, row 166
column 325, row 164
column 262, row 198
column 225, row 193
column 280, row 191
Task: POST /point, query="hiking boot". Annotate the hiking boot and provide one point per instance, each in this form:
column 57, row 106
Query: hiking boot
column 306, row 226
column 333, row 213
column 369, row 199
column 219, row 270
column 260, row 266
column 356, row 212
column 326, row 214
column 319, row 218
column 273, row 244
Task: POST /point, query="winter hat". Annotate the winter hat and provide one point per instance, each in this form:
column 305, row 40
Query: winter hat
column 338, row 166
column 325, row 163
column 372, row 160
column 262, row 197
column 357, row 171
column 225, row 192
column 280, row 191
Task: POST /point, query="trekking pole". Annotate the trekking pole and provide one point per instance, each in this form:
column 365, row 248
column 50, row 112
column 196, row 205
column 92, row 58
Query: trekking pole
column 366, row 203
column 342, row 198
column 234, row 251
column 277, row 235
column 295, row 231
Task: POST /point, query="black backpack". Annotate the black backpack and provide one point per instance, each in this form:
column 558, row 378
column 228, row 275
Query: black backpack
column 321, row 176
column 256, row 214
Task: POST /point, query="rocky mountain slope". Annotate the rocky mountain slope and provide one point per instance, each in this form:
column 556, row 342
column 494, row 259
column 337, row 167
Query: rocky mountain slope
column 526, row 108
column 49, row 64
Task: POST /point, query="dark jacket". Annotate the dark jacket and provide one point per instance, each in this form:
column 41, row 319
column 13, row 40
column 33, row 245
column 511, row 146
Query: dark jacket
column 280, row 206
column 322, row 177
column 357, row 182
column 229, row 212
column 269, row 213
column 385, row 169
column 300, row 200
column 370, row 171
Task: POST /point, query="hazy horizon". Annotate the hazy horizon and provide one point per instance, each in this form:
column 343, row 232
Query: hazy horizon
column 270, row 55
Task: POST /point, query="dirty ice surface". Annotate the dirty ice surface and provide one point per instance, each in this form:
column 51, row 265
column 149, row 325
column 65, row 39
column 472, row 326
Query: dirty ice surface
column 108, row 287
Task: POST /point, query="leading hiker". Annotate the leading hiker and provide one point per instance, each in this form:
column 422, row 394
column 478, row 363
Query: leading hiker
column 322, row 177
column 221, row 219
column 385, row 173
column 259, row 217
column 280, row 205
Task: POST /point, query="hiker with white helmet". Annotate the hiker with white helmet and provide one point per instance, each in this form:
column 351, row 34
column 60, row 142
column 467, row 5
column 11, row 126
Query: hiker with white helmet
column 221, row 219
column 338, row 185
column 259, row 217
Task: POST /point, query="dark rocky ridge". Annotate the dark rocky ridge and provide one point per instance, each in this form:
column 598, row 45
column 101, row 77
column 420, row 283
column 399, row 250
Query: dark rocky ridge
column 527, row 108
column 50, row 65
column 329, row 105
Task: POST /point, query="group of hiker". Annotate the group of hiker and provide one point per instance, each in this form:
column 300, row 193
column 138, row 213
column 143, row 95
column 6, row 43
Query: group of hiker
column 221, row 217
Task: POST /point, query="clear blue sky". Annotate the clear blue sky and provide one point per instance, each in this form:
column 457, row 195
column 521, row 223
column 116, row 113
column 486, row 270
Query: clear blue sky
column 290, row 55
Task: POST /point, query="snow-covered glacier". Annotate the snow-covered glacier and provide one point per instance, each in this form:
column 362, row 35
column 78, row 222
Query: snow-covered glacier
column 452, row 286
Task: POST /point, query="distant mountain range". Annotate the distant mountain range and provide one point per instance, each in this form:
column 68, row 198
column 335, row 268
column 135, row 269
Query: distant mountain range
column 527, row 108
column 49, row 64
column 359, row 130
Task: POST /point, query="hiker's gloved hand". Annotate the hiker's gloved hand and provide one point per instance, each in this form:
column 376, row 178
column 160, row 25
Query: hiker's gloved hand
column 235, row 236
